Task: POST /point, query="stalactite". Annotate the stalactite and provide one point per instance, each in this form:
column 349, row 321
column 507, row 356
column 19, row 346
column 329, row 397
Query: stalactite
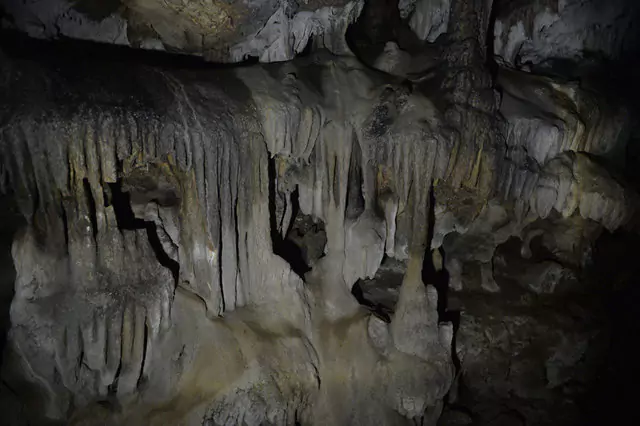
column 156, row 203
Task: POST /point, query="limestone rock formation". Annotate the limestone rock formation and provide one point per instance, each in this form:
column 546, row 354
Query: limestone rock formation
column 406, row 233
column 162, row 180
column 534, row 33
column 221, row 31
column 427, row 18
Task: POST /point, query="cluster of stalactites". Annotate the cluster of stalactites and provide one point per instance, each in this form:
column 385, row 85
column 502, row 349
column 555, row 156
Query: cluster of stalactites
column 76, row 255
column 554, row 132
column 371, row 153
column 124, row 204
column 195, row 177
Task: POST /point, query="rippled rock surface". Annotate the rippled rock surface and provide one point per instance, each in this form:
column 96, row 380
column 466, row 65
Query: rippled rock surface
column 378, row 221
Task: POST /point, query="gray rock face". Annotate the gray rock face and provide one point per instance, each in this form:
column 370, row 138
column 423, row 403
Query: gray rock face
column 554, row 131
column 286, row 33
column 151, row 230
column 547, row 141
column 542, row 359
column 526, row 356
column 221, row 31
column 196, row 239
column 427, row 18
column 58, row 18
column 533, row 32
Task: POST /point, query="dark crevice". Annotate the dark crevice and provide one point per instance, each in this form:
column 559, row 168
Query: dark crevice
column 161, row 255
column 97, row 10
column 91, row 205
column 145, row 346
column 380, row 310
column 112, row 389
column 19, row 45
column 273, row 220
column 430, row 276
column 237, row 236
column 284, row 247
column 355, row 198
column 295, row 209
column 106, row 199
column 10, row 222
column 65, row 225
column 220, row 247
column 121, row 202
column 490, row 61
column 378, row 23
column 308, row 49
column 127, row 221
column 440, row 280
column 82, row 361
column 336, row 182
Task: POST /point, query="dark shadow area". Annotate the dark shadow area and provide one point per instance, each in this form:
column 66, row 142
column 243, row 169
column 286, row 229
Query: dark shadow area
column 355, row 198
column 616, row 271
column 11, row 403
column 77, row 51
column 92, row 207
column 436, row 276
column 365, row 293
column 127, row 221
column 379, row 23
column 10, row 222
column 97, row 10
column 375, row 26
column 283, row 246
column 308, row 49
column 490, row 61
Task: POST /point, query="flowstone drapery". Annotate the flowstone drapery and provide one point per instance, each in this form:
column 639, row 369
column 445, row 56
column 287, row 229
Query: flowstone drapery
column 197, row 239
column 148, row 196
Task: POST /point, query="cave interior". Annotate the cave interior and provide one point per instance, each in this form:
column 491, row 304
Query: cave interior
column 319, row 212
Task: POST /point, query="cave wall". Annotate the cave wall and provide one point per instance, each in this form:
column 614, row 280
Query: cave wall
column 158, row 202
column 220, row 31
column 152, row 281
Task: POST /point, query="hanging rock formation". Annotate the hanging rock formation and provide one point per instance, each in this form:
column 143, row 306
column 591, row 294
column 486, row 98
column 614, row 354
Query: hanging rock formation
column 115, row 175
column 289, row 243
column 219, row 30
column 538, row 33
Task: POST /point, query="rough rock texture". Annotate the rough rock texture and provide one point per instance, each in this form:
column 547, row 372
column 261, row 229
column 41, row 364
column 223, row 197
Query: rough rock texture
column 533, row 32
column 427, row 18
column 315, row 241
column 530, row 354
column 146, row 202
column 219, row 30
column 527, row 361
column 524, row 359
column 558, row 138
column 59, row 18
